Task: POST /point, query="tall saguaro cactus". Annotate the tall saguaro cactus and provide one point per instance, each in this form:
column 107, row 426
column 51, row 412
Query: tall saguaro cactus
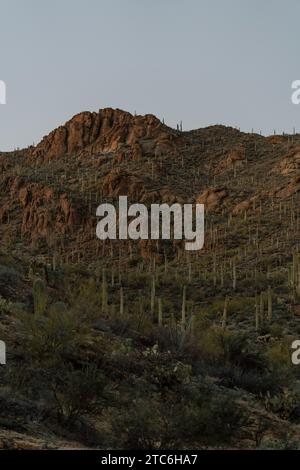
column 256, row 314
column 152, row 297
column 183, row 308
column 104, row 291
column 225, row 310
column 234, row 276
column 121, row 302
column 40, row 297
column 160, row 312
column 270, row 307
column 54, row 262
column 261, row 307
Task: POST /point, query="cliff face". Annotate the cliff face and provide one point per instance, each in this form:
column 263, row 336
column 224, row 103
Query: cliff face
column 41, row 211
column 105, row 131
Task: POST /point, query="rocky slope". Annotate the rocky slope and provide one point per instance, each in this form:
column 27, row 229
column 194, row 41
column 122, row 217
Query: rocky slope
column 250, row 186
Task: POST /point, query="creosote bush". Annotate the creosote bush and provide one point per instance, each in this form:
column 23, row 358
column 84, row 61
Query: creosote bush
column 200, row 416
column 77, row 391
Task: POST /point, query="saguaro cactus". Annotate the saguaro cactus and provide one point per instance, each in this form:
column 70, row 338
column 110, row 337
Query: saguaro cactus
column 192, row 325
column 298, row 281
column 234, row 276
column 270, row 307
column 224, row 319
column 183, row 309
column 190, row 272
column 256, row 314
column 160, row 312
column 121, row 302
column 54, row 262
column 40, row 297
column 112, row 277
column 152, row 298
column 104, row 291
column 2, row 352
column 295, row 268
column 261, row 307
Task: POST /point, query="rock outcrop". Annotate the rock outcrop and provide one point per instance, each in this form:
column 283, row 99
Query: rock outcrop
column 289, row 164
column 248, row 204
column 45, row 213
column 106, row 131
column 122, row 183
column 234, row 159
column 289, row 189
column 213, row 199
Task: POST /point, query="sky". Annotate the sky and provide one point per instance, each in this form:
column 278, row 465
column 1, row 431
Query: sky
column 201, row 62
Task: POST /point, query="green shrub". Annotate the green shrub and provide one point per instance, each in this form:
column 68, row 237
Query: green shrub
column 276, row 331
column 5, row 306
column 210, row 419
column 286, row 442
column 283, row 404
column 199, row 417
column 279, row 355
column 49, row 338
column 77, row 392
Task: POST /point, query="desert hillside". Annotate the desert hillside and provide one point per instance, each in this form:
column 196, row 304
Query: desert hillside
column 142, row 344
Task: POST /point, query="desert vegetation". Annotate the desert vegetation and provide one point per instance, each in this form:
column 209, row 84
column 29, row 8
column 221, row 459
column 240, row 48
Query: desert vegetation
column 140, row 344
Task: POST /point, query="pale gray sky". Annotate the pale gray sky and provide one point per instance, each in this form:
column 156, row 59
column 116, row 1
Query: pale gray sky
column 199, row 61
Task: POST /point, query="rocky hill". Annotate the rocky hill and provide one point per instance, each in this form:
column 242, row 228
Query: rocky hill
column 149, row 314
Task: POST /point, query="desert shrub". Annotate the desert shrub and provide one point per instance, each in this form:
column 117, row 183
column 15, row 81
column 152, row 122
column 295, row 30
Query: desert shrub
column 285, row 404
column 66, row 391
column 135, row 320
column 211, row 344
column 202, row 319
column 198, row 419
column 49, row 338
column 8, row 275
column 219, row 346
column 5, row 306
column 77, row 391
column 173, row 281
column 18, row 307
column 181, row 344
column 213, row 310
column 166, row 377
column 279, row 356
column 58, row 308
column 240, row 305
column 253, row 381
column 141, row 425
column 210, row 417
column 276, row 331
column 136, row 280
column 40, row 297
column 261, row 283
column 287, row 442
column 85, row 298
